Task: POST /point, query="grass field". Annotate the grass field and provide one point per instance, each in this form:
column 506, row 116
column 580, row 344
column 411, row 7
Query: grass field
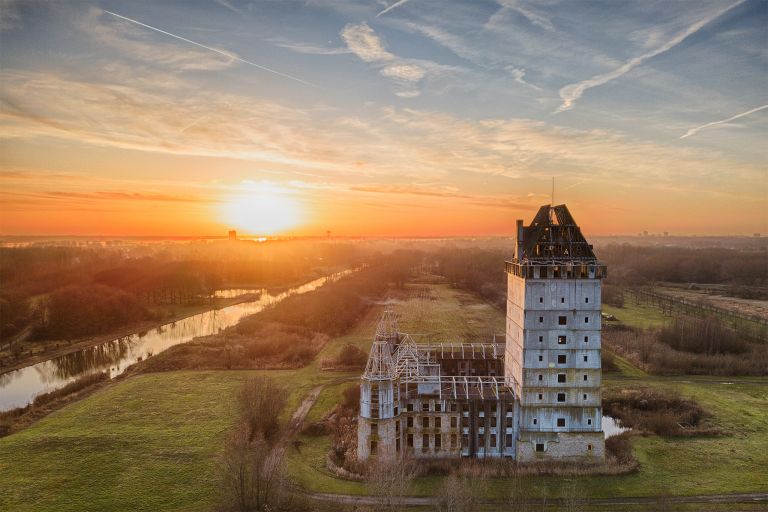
column 151, row 442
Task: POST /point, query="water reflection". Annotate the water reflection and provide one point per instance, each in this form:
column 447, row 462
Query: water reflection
column 19, row 387
column 235, row 292
column 611, row 427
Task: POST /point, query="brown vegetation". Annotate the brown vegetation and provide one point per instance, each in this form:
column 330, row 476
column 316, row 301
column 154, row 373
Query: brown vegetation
column 644, row 349
column 350, row 357
column 659, row 411
column 631, row 264
column 291, row 333
column 39, row 282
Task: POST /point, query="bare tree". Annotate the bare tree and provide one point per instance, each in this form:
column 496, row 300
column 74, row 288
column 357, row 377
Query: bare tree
column 253, row 472
column 391, row 480
column 459, row 494
column 261, row 401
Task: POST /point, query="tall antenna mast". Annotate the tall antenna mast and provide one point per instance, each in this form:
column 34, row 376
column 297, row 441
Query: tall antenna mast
column 553, row 192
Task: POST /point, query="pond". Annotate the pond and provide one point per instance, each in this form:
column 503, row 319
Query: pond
column 611, row 427
column 20, row 387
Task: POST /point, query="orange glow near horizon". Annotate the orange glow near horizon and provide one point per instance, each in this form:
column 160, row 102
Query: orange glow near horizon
column 262, row 210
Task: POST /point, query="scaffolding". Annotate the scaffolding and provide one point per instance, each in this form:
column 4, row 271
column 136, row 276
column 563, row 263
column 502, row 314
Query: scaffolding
column 416, row 367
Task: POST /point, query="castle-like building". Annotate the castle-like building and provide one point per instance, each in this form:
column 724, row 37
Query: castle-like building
column 536, row 395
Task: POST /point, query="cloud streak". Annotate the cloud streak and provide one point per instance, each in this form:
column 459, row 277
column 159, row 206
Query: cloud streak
column 694, row 131
column 229, row 55
column 570, row 93
column 393, row 6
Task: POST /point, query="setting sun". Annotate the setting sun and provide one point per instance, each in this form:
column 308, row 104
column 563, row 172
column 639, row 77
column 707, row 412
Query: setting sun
column 262, row 211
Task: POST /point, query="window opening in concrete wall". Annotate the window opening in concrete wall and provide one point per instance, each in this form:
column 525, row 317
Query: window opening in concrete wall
column 374, row 429
column 561, row 397
column 410, row 440
column 438, row 422
column 562, row 300
column 562, row 320
column 561, row 340
column 585, row 359
column 541, row 319
column 425, row 422
column 560, row 377
column 539, row 447
column 561, row 359
column 586, row 339
column 424, row 443
column 560, row 422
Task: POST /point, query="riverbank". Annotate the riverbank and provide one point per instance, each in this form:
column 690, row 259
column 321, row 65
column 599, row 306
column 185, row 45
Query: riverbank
column 45, row 350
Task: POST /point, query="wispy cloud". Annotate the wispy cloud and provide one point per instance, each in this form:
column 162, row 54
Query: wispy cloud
column 366, row 44
column 229, row 5
column 229, row 55
column 309, row 49
column 524, row 10
column 518, row 75
column 697, row 129
column 570, row 93
column 393, row 6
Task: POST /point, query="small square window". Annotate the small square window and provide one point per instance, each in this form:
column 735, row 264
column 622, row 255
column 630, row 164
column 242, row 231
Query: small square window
column 453, row 407
column 541, row 339
column 589, row 447
column 438, row 407
column 585, row 378
column 561, row 397
column 560, row 377
column 541, row 319
column 541, row 397
column 562, row 320
column 541, row 377
column 589, row 421
column 409, row 407
column 561, row 340
column 541, row 358
column 560, row 422
column 586, row 319
column 539, row 447
column 586, row 339
column 561, row 359
column 425, row 406
column 585, row 359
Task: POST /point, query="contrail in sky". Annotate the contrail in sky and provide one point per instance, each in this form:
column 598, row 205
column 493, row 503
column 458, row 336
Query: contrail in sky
column 394, row 5
column 696, row 130
column 226, row 54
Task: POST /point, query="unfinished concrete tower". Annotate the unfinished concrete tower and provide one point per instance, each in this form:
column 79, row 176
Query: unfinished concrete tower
column 376, row 426
column 552, row 355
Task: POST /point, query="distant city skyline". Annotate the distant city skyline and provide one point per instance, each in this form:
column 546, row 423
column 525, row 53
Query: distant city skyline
column 382, row 118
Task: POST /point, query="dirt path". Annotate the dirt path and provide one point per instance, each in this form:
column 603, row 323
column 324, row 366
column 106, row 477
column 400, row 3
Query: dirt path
column 597, row 502
column 301, row 412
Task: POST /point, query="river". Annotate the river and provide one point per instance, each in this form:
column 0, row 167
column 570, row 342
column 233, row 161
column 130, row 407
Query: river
column 20, row 387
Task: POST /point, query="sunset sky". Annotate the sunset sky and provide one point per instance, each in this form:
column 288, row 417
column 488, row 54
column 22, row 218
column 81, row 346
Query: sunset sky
column 410, row 117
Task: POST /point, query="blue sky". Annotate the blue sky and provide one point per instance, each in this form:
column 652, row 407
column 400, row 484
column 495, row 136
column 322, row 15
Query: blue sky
column 651, row 115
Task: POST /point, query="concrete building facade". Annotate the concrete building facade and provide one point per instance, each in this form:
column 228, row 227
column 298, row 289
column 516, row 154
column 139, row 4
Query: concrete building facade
column 536, row 395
